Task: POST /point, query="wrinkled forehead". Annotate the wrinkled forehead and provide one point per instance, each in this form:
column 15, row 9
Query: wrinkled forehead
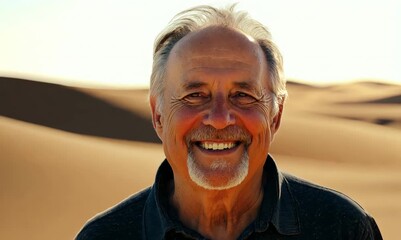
column 226, row 47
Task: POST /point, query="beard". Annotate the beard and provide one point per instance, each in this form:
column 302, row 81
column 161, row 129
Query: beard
column 233, row 175
column 219, row 175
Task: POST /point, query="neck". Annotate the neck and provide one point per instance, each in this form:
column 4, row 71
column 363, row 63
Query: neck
column 218, row 214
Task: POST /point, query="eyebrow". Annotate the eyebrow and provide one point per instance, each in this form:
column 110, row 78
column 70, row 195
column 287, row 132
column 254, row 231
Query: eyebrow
column 245, row 85
column 250, row 87
column 198, row 84
column 193, row 85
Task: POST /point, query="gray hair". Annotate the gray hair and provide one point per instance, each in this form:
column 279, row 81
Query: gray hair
column 197, row 18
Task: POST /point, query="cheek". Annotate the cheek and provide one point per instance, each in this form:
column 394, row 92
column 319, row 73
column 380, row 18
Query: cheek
column 179, row 122
column 257, row 123
column 256, row 120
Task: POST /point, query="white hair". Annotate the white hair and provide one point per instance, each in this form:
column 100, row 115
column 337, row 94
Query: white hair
column 197, row 18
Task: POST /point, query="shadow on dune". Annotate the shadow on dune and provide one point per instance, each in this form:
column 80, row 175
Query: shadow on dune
column 388, row 100
column 68, row 109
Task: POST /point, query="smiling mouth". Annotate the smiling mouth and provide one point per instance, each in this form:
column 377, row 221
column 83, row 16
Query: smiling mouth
column 217, row 146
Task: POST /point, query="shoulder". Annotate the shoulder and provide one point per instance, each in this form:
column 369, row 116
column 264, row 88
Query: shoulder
column 329, row 211
column 306, row 191
column 122, row 221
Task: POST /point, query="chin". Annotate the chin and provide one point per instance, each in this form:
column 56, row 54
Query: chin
column 218, row 176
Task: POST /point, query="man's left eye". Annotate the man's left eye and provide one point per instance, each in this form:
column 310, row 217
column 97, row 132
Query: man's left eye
column 243, row 98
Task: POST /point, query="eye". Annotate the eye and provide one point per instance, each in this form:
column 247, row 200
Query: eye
column 242, row 98
column 196, row 98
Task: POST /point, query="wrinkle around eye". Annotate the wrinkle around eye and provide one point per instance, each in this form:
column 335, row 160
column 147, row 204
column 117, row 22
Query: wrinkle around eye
column 196, row 98
column 243, row 99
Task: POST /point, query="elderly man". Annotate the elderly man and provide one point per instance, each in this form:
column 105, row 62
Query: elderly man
column 217, row 94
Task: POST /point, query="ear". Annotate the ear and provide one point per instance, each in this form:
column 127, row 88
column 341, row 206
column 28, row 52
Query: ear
column 276, row 121
column 156, row 117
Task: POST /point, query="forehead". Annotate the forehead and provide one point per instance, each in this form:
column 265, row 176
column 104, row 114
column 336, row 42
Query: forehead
column 216, row 50
column 218, row 42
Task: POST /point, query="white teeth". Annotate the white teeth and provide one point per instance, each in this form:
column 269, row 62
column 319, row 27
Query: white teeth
column 217, row 146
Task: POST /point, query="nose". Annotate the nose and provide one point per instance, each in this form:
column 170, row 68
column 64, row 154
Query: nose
column 219, row 115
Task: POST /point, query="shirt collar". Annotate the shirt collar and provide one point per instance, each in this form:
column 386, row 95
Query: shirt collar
column 157, row 220
column 278, row 206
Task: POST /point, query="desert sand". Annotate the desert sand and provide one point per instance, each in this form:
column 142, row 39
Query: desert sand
column 67, row 153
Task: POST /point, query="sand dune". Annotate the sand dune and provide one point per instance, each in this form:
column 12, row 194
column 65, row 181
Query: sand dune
column 365, row 101
column 53, row 181
column 330, row 139
column 73, row 110
column 68, row 153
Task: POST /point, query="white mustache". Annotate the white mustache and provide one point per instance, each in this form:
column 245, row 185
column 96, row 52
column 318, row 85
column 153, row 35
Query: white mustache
column 230, row 133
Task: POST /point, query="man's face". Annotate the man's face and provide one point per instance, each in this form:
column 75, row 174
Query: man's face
column 214, row 122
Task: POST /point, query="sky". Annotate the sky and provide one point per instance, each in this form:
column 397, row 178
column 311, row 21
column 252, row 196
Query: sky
column 99, row 43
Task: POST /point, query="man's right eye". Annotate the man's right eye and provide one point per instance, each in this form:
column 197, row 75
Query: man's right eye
column 196, row 98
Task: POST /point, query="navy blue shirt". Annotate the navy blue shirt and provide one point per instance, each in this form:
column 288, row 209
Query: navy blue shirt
column 291, row 209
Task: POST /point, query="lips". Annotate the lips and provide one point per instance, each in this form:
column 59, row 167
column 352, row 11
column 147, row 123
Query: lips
column 217, row 146
column 218, row 141
column 227, row 149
